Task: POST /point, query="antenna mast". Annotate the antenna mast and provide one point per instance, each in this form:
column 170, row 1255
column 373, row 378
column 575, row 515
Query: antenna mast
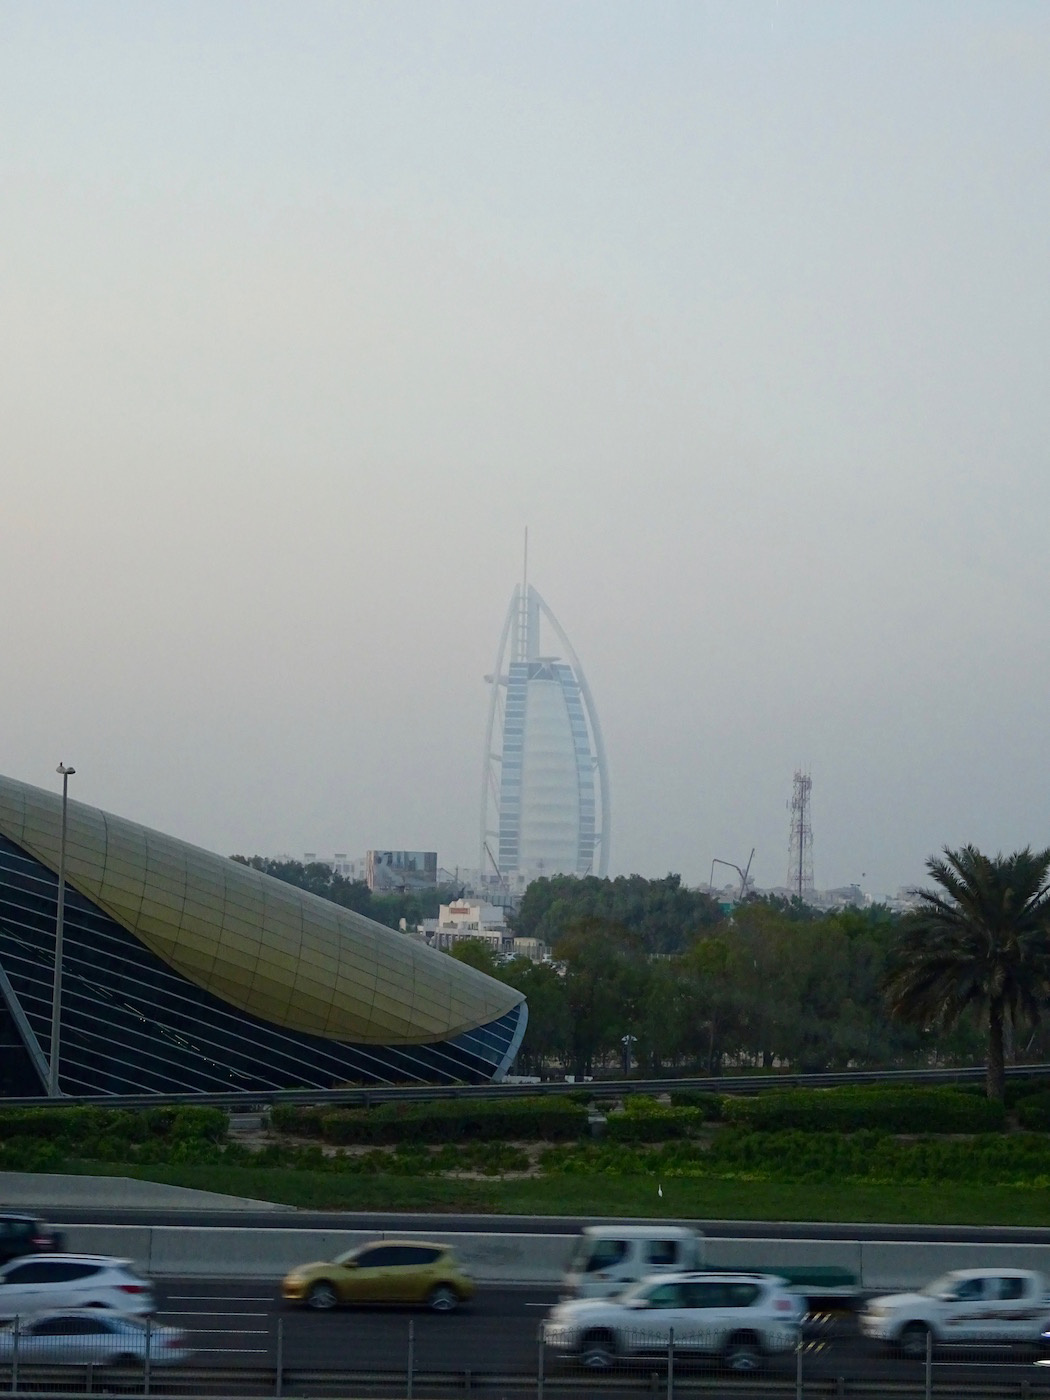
column 800, row 843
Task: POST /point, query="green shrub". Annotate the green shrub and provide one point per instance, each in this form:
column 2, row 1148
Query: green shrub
column 1033, row 1112
column 711, row 1105
column 300, row 1122
column 992, row 1159
column 482, row 1120
column 848, row 1109
column 658, row 1124
column 1019, row 1089
column 112, row 1133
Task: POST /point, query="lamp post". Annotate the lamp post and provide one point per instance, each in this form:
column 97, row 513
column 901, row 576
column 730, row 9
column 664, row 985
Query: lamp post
column 56, row 1000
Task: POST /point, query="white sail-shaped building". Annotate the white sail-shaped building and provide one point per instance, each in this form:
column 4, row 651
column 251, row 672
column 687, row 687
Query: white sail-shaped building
column 545, row 798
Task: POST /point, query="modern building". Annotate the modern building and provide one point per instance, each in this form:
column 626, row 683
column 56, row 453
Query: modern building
column 401, row 871
column 185, row 971
column 545, row 806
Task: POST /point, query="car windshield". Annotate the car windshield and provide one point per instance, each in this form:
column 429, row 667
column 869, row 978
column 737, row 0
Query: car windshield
column 348, row 1257
column 943, row 1287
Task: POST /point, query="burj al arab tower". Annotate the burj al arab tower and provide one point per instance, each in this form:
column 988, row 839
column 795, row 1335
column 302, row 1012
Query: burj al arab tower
column 545, row 796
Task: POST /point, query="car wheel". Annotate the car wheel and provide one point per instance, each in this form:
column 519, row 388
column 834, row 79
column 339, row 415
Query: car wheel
column 322, row 1297
column 597, row 1351
column 443, row 1299
column 914, row 1340
column 742, row 1353
column 126, row 1360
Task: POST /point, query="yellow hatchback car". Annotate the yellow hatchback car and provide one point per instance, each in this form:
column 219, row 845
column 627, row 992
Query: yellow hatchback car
column 389, row 1271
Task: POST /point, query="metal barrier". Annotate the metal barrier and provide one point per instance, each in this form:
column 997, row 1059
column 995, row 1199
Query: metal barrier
column 112, row 1356
column 602, row 1088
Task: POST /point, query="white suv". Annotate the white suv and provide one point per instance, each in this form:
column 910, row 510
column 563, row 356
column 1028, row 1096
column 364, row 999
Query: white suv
column 737, row 1317
column 39, row 1282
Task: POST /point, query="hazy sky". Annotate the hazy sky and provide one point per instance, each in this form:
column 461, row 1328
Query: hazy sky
column 308, row 310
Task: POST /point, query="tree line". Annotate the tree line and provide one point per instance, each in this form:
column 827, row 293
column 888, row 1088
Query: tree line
column 318, row 877
column 651, row 976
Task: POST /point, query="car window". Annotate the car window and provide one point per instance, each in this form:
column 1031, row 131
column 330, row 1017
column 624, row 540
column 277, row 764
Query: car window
column 665, row 1295
column 365, row 1258
column 70, row 1327
column 378, row 1258
column 605, row 1254
column 1011, row 1287
column 740, row 1295
column 419, row 1254
column 969, row 1290
column 402, row 1255
column 662, row 1252
column 704, row 1295
column 38, row 1272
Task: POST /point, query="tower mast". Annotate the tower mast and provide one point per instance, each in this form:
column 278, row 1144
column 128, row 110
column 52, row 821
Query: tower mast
column 800, row 841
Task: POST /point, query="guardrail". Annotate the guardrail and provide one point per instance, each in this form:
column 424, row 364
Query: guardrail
column 408, row 1093
column 661, row 1376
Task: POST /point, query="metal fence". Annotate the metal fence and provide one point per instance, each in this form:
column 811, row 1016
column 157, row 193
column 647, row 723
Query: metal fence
column 118, row 1356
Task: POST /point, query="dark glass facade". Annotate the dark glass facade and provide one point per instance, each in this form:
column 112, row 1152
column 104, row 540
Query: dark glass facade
column 131, row 1024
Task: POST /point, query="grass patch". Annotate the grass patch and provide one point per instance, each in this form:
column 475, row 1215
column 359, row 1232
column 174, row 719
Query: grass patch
column 683, row 1198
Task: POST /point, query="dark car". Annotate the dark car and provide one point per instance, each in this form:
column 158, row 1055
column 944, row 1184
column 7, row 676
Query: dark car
column 26, row 1234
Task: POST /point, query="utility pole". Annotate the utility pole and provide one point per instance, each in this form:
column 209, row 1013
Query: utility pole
column 56, row 996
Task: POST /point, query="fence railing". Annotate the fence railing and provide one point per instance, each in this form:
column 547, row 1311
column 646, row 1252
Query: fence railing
column 102, row 1354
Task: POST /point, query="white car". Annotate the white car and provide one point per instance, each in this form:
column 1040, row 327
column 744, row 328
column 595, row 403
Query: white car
column 92, row 1336
column 739, row 1318
column 42, row 1282
column 966, row 1307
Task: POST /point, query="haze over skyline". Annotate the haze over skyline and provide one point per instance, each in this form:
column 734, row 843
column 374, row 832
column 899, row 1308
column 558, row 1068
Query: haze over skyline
column 742, row 310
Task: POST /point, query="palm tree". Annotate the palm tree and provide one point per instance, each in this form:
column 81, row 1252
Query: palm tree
column 982, row 940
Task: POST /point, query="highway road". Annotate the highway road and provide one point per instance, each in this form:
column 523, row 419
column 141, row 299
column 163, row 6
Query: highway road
column 236, row 1323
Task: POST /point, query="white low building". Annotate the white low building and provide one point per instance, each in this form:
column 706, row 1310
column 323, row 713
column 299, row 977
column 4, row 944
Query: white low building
column 485, row 922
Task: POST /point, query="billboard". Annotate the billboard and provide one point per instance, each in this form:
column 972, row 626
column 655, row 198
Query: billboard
column 397, row 871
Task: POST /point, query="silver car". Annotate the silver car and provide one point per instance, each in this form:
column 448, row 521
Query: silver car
column 739, row 1318
column 92, row 1336
column 43, row 1282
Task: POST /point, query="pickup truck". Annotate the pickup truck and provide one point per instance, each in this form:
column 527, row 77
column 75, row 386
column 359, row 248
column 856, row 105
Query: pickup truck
column 610, row 1258
column 968, row 1307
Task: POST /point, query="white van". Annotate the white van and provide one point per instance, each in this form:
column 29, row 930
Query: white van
column 609, row 1258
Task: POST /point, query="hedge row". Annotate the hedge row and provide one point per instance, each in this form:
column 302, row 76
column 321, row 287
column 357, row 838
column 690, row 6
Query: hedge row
column 483, row 1120
column 849, row 1109
column 655, row 1125
column 74, row 1127
column 1033, row 1112
column 820, row 1158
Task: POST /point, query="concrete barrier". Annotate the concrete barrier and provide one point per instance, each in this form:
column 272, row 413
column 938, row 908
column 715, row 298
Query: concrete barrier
column 889, row 1266
column 190, row 1251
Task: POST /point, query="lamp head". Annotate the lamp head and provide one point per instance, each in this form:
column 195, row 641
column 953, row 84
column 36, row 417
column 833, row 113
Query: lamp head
column 66, row 772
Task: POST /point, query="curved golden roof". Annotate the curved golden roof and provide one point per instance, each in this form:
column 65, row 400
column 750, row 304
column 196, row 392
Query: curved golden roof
column 277, row 952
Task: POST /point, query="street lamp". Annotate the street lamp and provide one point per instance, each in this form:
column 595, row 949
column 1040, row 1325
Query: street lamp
column 56, row 1000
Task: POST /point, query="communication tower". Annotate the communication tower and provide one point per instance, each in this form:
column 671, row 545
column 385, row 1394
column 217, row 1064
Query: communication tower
column 800, row 843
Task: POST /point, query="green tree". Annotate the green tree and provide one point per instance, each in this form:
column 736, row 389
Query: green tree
column 981, row 941
column 475, row 952
column 547, row 1033
column 606, row 973
column 662, row 914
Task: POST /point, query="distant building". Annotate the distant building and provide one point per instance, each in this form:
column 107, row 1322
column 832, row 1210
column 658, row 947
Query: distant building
column 484, row 922
column 545, row 807
column 400, row 871
column 339, row 864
